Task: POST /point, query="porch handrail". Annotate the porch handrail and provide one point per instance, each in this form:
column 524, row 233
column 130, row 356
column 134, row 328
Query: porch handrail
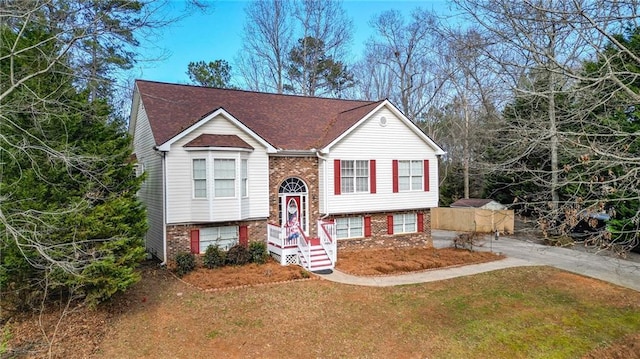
column 283, row 236
column 327, row 240
column 274, row 235
column 304, row 247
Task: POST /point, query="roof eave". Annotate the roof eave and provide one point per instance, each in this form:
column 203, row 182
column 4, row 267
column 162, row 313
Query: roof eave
column 133, row 114
column 295, row 153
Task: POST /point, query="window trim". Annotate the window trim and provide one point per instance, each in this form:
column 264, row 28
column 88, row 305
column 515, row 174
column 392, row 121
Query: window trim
column 354, row 177
column 194, row 179
column 244, row 178
column 217, row 236
column 411, row 176
column 395, row 222
column 234, row 179
column 349, row 227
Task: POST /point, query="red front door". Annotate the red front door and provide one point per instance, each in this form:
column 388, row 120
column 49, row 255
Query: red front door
column 292, row 211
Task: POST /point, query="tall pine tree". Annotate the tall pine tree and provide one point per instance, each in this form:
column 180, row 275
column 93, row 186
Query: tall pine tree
column 69, row 217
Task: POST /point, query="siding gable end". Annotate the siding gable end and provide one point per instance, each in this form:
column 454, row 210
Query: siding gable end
column 389, row 106
column 219, row 112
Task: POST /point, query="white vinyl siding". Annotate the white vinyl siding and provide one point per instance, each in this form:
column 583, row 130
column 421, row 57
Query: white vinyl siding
column 354, row 176
column 395, row 141
column 404, row 223
column 151, row 189
column 410, row 175
column 223, row 237
column 349, row 227
column 183, row 208
column 224, row 178
column 199, row 178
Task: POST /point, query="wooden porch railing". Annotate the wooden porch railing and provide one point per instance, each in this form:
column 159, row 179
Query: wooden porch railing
column 327, row 234
column 289, row 242
column 282, row 237
column 304, row 248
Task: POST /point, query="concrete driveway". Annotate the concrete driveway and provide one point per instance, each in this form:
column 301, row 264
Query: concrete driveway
column 623, row 272
column 519, row 252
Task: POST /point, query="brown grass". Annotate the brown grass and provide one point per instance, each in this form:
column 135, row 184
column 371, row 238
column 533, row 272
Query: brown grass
column 165, row 317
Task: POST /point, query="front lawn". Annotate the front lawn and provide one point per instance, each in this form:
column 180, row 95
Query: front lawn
column 535, row 312
column 529, row 312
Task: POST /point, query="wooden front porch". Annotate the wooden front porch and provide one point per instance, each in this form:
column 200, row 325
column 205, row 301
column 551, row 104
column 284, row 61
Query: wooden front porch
column 289, row 245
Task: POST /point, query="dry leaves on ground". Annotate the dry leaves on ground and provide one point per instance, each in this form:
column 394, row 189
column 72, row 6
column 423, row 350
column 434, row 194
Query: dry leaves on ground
column 362, row 262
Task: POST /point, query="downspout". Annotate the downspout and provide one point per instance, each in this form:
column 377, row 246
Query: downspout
column 164, row 209
column 325, row 184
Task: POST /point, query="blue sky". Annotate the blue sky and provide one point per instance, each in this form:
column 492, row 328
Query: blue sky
column 217, row 34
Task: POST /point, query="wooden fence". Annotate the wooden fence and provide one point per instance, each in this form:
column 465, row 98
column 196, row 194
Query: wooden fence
column 472, row 219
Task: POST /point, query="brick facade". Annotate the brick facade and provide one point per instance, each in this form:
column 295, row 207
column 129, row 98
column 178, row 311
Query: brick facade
column 380, row 237
column 304, row 168
column 179, row 235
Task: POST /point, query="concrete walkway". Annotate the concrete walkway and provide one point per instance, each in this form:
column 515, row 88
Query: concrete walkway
column 519, row 253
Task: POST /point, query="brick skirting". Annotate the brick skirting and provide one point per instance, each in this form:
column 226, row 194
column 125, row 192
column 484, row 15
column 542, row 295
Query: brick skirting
column 381, row 239
column 179, row 235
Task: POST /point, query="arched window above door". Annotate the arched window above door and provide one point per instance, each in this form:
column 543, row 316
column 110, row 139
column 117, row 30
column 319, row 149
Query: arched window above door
column 293, row 185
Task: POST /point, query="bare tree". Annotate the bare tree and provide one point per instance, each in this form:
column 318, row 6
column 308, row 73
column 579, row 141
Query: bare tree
column 321, row 22
column 560, row 120
column 282, row 42
column 400, row 57
column 468, row 99
column 268, row 32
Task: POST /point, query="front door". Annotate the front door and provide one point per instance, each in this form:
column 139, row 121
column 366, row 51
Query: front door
column 293, row 211
column 293, row 204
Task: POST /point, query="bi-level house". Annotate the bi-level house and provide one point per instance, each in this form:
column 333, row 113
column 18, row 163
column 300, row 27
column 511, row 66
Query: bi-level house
column 306, row 175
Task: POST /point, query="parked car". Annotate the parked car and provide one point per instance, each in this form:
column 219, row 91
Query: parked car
column 589, row 224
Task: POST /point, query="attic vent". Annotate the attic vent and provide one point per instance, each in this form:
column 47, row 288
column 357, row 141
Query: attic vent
column 383, row 121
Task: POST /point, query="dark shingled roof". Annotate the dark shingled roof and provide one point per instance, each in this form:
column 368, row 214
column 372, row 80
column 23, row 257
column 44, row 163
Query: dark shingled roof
column 285, row 121
column 210, row 140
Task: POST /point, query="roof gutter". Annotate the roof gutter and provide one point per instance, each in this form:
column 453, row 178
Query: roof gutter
column 294, row 153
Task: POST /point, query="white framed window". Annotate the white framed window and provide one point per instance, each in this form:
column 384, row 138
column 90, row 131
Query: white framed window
column 354, row 176
column 349, row 227
column 199, row 174
column 410, row 174
column 244, row 178
column 405, row 223
column 224, row 177
column 224, row 237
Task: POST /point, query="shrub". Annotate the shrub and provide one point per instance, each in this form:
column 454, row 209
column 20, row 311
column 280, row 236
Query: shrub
column 466, row 240
column 258, row 251
column 213, row 257
column 185, row 263
column 238, row 255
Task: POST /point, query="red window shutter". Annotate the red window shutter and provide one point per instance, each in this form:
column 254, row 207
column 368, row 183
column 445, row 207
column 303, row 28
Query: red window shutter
column 420, row 220
column 394, row 169
column 336, row 176
column 195, row 241
column 244, row 236
column 367, row 226
column 389, row 224
column 426, row 175
column 372, row 176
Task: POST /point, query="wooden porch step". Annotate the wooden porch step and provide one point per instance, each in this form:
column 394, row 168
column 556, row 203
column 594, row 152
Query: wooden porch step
column 319, row 260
